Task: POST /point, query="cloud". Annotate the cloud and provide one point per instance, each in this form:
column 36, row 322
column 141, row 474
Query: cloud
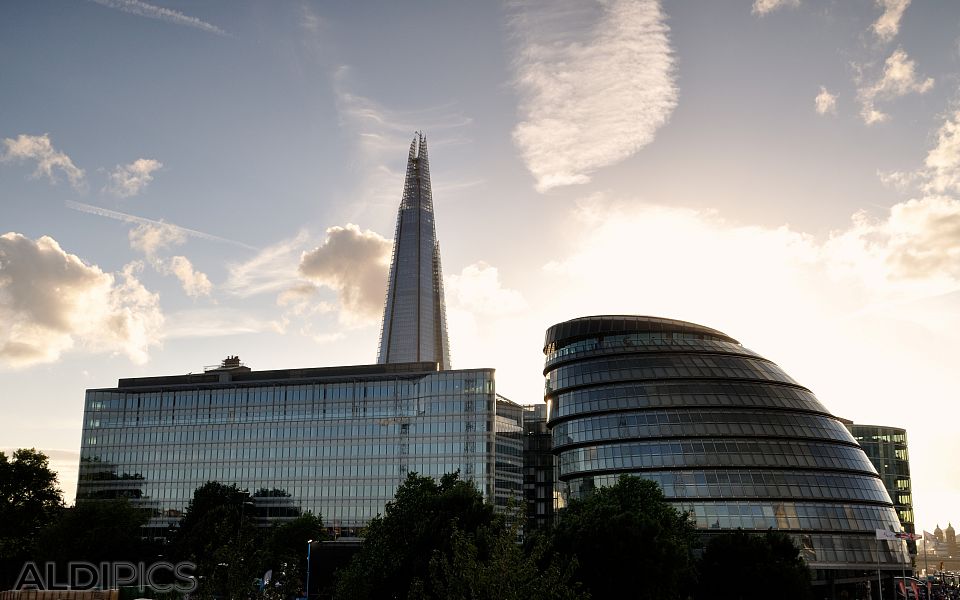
column 129, row 180
column 942, row 165
column 127, row 218
column 940, row 173
column 354, row 263
column 899, row 79
column 763, row 7
column 825, row 102
column 215, row 322
column 143, row 9
column 195, row 283
column 150, row 238
column 271, row 270
column 590, row 95
column 51, row 301
column 888, row 24
column 382, row 135
column 917, row 242
column 477, row 288
column 39, row 149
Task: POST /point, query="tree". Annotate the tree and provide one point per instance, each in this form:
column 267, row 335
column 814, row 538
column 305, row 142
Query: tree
column 96, row 531
column 285, row 554
column 29, row 501
column 418, row 522
column 492, row 566
column 743, row 566
column 218, row 533
column 627, row 537
column 440, row 540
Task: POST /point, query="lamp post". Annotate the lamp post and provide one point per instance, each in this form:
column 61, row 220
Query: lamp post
column 309, row 543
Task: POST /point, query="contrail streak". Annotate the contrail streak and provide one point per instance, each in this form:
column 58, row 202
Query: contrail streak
column 119, row 216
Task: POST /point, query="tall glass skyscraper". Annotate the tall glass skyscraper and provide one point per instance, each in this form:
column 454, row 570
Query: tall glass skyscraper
column 336, row 441
column 730, row 437
column 414, row 315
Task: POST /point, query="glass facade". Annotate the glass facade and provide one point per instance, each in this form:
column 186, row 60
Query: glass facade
column 886, row 447
column 336, row 441
column 414, row 315
column 731, row 438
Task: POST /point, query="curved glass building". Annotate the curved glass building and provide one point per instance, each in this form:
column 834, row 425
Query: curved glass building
column 729, row 436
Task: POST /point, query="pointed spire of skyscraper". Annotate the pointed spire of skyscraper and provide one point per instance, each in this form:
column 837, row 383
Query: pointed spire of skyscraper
column 414, row 316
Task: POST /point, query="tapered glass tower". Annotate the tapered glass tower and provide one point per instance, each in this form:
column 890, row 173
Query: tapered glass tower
column 414, row 319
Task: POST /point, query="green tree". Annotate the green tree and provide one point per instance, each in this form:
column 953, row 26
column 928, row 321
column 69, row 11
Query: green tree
column 418, row 522
column 628, row 539
column 743, row 566
column 30, row 499
column 440, row 540
column 96, row 531
column 285, row 553
column 491, row 565
column 218, row 533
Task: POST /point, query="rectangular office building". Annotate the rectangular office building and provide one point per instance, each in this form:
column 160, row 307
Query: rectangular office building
column 335, row 441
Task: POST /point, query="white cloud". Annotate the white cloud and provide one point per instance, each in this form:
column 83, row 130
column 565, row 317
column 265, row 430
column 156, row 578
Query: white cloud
column 943, row 161
column 215, row 322
column 382, row 135
column 150, row 238
column 38, row 148
column 940, row 173
column 825, row 102
column 354, row 263
column 763, row 7
column 143, row 9
column 271, row 270
column 899, row 79
column 888, row 24
column 477, row 288
column 129, row 180
column 195, row 283
column 590, row 96
column 51, row 301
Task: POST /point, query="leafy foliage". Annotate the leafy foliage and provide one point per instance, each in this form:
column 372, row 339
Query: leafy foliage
column 97, row 531
column 219, row 534
column 440, row 540
column 285, row 550
column 628, row 539
column 420, row 521
column 30, row 499
column 742, row 566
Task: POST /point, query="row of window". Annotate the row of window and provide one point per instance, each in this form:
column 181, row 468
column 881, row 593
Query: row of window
column 687, row 394
column 335, row 435
column 138, row 458
column 316, row 433
column 698, row 423
column 748, row 484
column 650, row 341
column 803, row 516
column 251, row 411
column 663, row 367
column 278, row 394
column 713, row 453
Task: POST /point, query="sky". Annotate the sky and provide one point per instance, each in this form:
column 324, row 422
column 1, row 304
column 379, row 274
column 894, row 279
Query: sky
column 182, row 181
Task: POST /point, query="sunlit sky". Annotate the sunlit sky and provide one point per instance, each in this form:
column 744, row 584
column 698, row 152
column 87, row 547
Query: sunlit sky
column 786, row 171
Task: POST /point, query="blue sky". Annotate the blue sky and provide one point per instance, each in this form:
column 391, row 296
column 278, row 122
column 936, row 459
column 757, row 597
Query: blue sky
column 784, row 170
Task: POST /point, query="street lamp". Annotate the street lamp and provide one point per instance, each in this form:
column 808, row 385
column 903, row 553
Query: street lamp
column 309, row 542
